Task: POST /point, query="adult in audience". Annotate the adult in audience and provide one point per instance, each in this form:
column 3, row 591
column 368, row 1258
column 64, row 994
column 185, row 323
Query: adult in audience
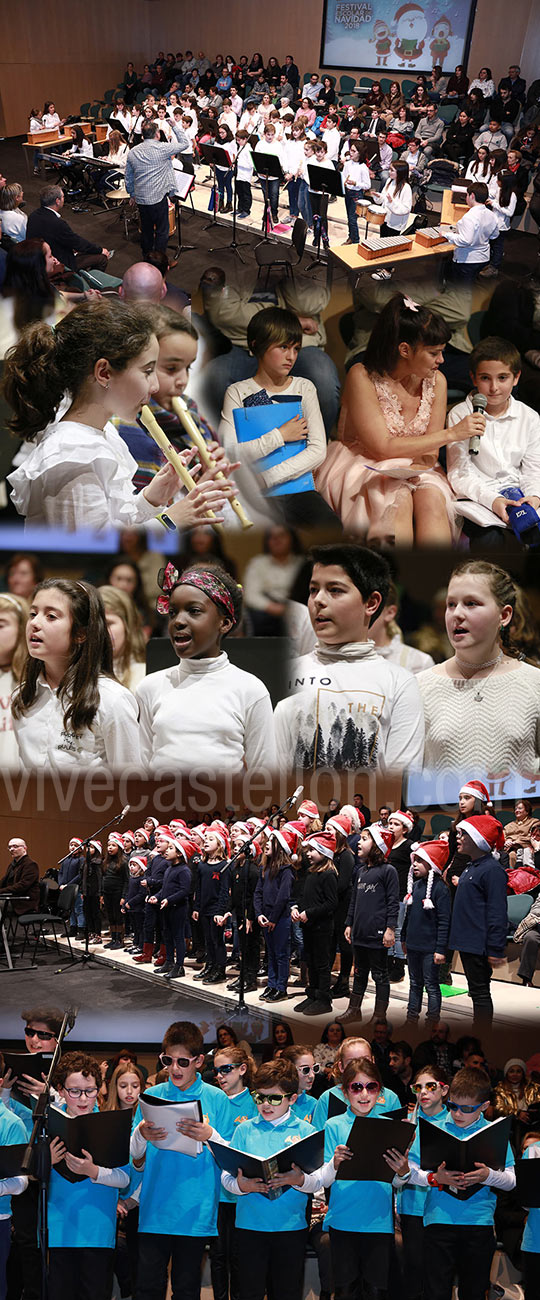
column 149, row 180
column 13, row 222
column 430, row 131
column 268, row 579
column 436, row 1050
column 73, row 250
column 514, row 83
column 22, row 574
column 142, row 282
column 527, row 933
column 400, row 1071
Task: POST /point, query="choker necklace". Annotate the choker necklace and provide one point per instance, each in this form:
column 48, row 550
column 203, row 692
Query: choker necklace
column 489, row 663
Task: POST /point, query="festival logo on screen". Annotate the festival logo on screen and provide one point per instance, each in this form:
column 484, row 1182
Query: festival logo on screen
column 385, row 34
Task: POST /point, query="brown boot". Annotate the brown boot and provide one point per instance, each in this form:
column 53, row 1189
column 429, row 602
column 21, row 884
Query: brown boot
column 146, row 954
column 161, row 958
column 354, row 1010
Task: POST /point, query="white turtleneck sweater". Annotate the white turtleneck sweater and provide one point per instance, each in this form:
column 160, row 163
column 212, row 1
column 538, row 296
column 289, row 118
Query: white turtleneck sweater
column 351, row 709
column 205, row 715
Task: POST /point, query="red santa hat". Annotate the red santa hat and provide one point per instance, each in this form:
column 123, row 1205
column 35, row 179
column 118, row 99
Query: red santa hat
column 141, row 831
column 323, row 841
column 255, row 823
column 185, row 847
column 178, row 824
column 436, row 854
column 198, row 832
column 96, row 844
column 408, row 9
column 308, row 808
column 164, row 833
column 154, row 821
column 243, row 829
column 291, row 838
column 75, row 840
column 138, row 860
column 405, row 818
column 221, row 831
column 128, row 835
column 478, row 791
column 484, row 830
column 341, row 823
column 116, row 839
column 383, row 839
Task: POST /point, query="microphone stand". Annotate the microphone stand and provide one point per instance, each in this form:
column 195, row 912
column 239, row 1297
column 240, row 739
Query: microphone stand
column 37, row 1157
column 242, row 1004
column 88, row 956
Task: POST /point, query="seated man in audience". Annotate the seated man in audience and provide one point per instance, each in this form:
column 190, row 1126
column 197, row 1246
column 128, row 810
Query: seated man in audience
column 285, row 90
column 47, row 223
column 491, row 136
column 505, row 109
column 21, row 880
column 142, row 282
column 229, row 309
column 527, row 933
column 514, row 83
column 430, row 131
column 509, row 452
column 311, row 89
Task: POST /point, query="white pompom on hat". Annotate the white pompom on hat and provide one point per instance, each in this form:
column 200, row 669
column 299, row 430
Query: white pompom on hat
column 436, row 854
column 478, row 790
column 291, row 838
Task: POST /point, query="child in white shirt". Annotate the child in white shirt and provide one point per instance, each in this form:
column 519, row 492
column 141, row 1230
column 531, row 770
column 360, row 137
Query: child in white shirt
column 509, row 452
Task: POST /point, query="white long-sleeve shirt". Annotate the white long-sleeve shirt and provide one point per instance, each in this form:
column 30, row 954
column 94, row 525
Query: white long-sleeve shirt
column 205, row 715
column 312, row 1183
column 472, row 234
column 266, row 580
column 358, row 173
column 509, row 456
column 111, row 742
column 397, row 206
column 351, row 709
column 503, row 215
column 250, row 481
column 73, row 475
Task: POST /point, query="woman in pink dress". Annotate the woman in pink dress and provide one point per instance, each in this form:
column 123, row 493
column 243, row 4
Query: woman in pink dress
column 382, row 477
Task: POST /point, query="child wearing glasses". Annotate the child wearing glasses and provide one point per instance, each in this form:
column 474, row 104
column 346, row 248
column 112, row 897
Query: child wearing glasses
column 234, row 1068
column 179, row 1194
column 360, row 1215
column 81, row 1215
column 272, row 1234
column 459, row 1235
column 430, row 1086
column 306, row 1068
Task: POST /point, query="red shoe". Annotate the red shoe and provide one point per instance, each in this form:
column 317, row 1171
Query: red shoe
column 161, row 957
column 146, row 954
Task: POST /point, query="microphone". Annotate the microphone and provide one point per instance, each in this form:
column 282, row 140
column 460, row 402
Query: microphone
column 72, row 1014
column 479, row 403
column 125, row 811
column 293, row 797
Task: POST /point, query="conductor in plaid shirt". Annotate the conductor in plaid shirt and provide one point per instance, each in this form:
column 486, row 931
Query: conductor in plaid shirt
column 149, row 179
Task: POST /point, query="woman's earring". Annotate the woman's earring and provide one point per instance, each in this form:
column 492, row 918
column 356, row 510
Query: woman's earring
column 107, row 386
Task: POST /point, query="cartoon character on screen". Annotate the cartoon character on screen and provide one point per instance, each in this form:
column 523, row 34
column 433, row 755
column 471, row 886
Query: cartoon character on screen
column 411, row 28
column 382, row 37
column 440, row 42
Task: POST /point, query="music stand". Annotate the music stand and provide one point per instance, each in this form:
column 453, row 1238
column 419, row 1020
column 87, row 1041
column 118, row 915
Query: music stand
column 268, row 168
column 323, row 182
column 216, row 156
column 184, row 182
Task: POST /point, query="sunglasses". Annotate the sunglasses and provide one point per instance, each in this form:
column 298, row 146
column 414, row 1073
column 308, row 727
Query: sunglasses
column 431, row 1086
column 181, row 1061
column 467, row 1110
column 81, row 1092
column 308, row 1069
column 225, row 1069
column 269, row 1098
column 371, row 1088
column 44, row 1035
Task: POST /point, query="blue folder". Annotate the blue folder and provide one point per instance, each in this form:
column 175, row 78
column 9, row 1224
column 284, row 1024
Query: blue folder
column 253, row 421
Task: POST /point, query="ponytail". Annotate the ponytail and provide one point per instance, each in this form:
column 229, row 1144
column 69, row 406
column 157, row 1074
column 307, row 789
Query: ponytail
column 46, row 363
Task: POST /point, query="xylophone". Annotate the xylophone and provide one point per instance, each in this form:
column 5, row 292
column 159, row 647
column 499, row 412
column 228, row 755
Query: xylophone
column 373, row 246
column 429, row 236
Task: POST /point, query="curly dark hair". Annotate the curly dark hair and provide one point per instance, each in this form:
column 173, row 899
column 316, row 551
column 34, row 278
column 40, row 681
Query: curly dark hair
column 76, row 1063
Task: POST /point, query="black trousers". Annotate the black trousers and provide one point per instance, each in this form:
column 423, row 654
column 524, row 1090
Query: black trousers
column 92, row 913
column 154, row 226
column 174, row 933
column 214, row 939
column 318, row 957
column 155, row 1251
column 372, row 961
column 478, row 973
column 271, row 1262
column 24, row 1265
column 412, row 1236
column 458, row 1250
column 243, row 194
column 224, row 1255
column 530, row 1263
column 359, row 1258
column 85, row 1273
column 252, row 952
column 112, row 908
